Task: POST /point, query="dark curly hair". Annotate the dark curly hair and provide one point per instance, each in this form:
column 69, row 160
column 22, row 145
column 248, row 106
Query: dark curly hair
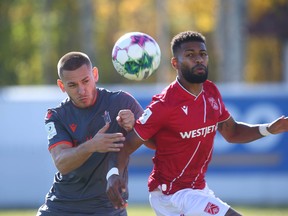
column 184, row 37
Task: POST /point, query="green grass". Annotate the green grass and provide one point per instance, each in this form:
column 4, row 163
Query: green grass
column 147, row 211
column 262, row 211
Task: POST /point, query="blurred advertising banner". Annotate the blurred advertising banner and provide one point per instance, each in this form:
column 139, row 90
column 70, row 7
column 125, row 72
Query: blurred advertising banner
column 260, row 167
column 267, row 154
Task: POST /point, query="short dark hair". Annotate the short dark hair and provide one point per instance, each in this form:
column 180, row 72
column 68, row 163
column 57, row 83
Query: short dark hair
column 72, row 61
column 186, row 36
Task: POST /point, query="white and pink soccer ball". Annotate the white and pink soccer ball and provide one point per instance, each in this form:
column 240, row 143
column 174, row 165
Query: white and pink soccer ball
column 136, row 56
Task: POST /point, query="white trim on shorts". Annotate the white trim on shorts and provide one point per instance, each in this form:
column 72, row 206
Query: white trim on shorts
column 187, row 202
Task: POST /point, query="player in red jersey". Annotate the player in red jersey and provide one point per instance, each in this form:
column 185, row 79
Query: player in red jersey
column 182, row 121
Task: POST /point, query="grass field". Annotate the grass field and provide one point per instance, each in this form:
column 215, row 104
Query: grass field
column 147, row 211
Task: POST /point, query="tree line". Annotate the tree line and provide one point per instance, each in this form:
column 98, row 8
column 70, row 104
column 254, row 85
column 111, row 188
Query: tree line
column 34, row 34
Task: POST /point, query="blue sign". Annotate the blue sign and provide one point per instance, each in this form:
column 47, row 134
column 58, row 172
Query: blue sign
column 269, row 154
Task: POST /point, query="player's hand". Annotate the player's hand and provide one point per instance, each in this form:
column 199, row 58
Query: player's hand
column 116, row 191
column 126, row 119
column 279, row 125
column 106, row 142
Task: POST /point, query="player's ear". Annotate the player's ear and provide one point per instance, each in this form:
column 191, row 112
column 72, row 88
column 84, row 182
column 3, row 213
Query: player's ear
column 95, row 73
column 61, row 85
column 174, row 62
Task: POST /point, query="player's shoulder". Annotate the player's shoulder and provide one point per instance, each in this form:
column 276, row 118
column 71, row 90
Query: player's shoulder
column 118, row 98
column 64, row 105
column 60, row 109
column 210, row 86
column 113, row 93
column 167, row 97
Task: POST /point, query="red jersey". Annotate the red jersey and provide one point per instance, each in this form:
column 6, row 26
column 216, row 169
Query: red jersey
column 183, row 127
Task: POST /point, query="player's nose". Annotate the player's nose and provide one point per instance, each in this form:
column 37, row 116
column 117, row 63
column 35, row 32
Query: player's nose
column 81, row 90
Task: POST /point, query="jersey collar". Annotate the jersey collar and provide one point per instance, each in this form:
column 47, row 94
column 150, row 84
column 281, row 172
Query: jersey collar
column 182, row 87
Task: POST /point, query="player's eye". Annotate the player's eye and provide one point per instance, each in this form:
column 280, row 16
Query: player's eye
column 86, row 81
column 72, row 85
column 190, row 55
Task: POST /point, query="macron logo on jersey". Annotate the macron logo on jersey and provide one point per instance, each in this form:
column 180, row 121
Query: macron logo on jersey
column 185, row 109
column 198, row 132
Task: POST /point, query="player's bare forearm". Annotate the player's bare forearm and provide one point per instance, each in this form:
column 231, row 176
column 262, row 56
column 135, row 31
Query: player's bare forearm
column 131, row 144
column 150, row 144
column 116, row 186
column 67, row 159
column 238, row 132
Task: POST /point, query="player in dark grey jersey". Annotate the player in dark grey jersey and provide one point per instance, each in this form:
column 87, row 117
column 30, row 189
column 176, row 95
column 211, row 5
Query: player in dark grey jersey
column 84, row 133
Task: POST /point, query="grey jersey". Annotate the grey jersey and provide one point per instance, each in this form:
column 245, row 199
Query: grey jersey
column 83, row 191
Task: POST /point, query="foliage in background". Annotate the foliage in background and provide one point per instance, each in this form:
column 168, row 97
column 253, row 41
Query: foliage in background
column 35, row 34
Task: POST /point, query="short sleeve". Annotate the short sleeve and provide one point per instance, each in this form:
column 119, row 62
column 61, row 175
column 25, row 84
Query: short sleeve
column 224, row 113
column 129, row 102
column 151, row 120
column 56, row 133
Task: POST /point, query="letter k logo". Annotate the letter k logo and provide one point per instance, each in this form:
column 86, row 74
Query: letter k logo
column 185, row 109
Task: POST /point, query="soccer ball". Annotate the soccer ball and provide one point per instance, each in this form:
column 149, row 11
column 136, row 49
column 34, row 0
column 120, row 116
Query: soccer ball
column 136, row 56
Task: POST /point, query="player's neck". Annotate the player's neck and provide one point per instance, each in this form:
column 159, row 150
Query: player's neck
column 193, row 88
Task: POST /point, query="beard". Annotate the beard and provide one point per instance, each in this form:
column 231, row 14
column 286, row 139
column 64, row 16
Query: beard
column 191, row 75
